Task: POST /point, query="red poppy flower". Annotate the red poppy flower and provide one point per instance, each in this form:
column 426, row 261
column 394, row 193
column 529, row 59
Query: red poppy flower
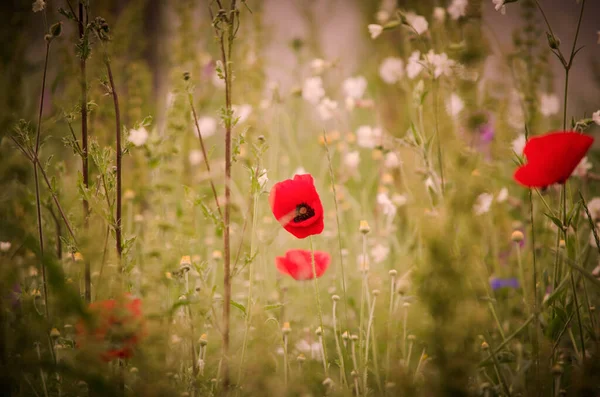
column 297, row 206
column 115, row 328
column 298, row 264
column 552, row 158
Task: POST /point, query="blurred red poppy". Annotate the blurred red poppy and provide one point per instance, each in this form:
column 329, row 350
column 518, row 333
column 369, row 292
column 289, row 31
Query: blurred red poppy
column 297, row 206
column 552, row 158
column 297, row 263
column 115, row 327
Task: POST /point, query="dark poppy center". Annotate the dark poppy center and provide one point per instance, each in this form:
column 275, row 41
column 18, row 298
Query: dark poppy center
column 303, row 212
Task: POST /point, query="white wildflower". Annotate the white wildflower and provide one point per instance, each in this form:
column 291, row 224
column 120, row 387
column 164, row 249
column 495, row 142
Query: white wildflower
column 502, row 195
column 351, row 160
column 354, row 87
column 38, row 5
column 549, row 104
column 391, row 70
column 303, row 346
column 263, row 178
column 195, row 157
column 596, row 117
column 594, row 208
column 138, row 136
column 382, row 16
column 315, row 351
column 5, row 246
column 375, row 30
column 458, row 8
column 499, row 6
column 418, row 22
column 318, row 66
column 300, row 171
column 582, row 168
column 483, row 203
column 414, row 65
column 208, row 126
column 399, row 200
column 312, row 90
column 326, row 108
column 454, row 105
column 518, row 145
column 379, row 253
column 368, row 137
column 440, row 63
column 241, row 112
column 439, row 14
column 392, row 160
column 387, row 206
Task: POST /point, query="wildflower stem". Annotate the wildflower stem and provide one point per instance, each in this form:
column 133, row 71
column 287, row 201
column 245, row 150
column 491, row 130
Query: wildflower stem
column 389, row 327
column 338, row 346
column 523, row 279
column 339, row 233
column 363, row 269
column 369, row 324
column 84, row 150
column 42, row 374
column 509, row 338
column 204, row 155
column 316, row 285
column 285, row 359
column 38, row 201
column 437, row 133
column 250, row 280
column 119, row 152
column 536, row 352
column 492, row 354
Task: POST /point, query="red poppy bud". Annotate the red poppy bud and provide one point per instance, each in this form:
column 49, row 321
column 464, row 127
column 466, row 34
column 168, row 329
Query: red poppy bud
column 552, row 158
column 296, row 205
column 298, row 264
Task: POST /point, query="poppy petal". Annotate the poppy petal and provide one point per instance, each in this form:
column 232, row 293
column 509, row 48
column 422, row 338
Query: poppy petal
column 298, row 264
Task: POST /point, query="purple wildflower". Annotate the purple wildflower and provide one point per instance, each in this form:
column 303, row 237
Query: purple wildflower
column 497, row 283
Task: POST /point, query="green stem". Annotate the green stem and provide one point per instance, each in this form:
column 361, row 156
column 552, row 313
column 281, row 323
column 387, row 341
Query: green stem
column 536, row 348
column 369, row 324
column 338, row 347
column 316, row 285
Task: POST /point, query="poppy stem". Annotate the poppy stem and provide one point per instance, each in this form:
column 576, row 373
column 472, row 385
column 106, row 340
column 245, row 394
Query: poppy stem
column 536, row 350
column 316, row 285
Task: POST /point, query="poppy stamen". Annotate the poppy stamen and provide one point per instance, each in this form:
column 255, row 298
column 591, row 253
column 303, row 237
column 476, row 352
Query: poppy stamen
column 303, row 212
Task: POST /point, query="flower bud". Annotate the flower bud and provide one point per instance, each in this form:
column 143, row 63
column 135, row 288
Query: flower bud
column 375, row 292
column 553, row 41
column 286, row 329
column 335, row 298
column 319, row 331
column 56, row 29
column 203, row 340
column 517, row 236
column 485, row 346
column 301, row 358
column 54, row 333
column 364, row 227
column 393, row 273
column 562, row 244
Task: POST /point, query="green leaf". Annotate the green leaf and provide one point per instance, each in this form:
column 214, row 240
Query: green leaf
column 555, row 220
column 239, row 306
column 274, row 306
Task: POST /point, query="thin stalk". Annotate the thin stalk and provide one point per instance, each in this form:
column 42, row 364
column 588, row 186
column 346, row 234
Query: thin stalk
column 84, row 151
column 364, row 267
column 206, row 162
column 437, row 134
column 404, row 326
column 492, row 355
column 285, row 359
column 389, row 326
column 536, row 348
column 38, row 201
column 119, row 151
column 320, row 311
column 523, row 280
column 250, row 280
column 495, row 315
column 369, row 324
column 339, row 234
column 338, row 346
column 42, row 373
column 509, row 338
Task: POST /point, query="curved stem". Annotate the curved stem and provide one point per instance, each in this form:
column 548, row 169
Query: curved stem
column 316, row 285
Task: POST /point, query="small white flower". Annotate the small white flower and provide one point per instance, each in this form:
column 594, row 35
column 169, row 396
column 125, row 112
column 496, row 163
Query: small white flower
column 368, row 137
column 326, row 108
column 354, row 87
column 454, row 105
column 312, row 90
column 387, row 206
column 241, row 112
column 594, row 208
column 458, row 8
column 502, row 195
column 596, row 117
column 375, row 30
column 499, row 6
column 519, row 144
column 138, row 137
column 391, row 70
column 414, row 65
column 439, row 14
column 441, row 64
column 5, row 246
column 392, row 160
column 382, row 16
column 418, row 22
column 263, row 178
column 303, row 346
column 430, row 184
column 195, row 157
column 549, row 104
column 399, row 200
column 208, row 126
column 483, row 203
column 300, row 171
column 379, row 253
column 315, row 351
column 582, row 168
column 351, row 160
column 38, row 5
column 280, row 351
column 318, row 66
